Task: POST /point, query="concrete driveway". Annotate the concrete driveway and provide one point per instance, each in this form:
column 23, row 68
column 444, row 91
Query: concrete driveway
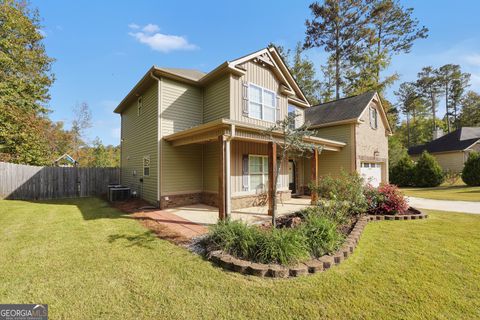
column 445, row 205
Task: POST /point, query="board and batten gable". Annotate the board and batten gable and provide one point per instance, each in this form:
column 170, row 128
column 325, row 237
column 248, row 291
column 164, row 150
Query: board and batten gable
column 216, row 99
column 181, row 108
column 140, row 138
column 260, row 76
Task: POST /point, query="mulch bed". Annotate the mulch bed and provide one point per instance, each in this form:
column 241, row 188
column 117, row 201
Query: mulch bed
column 354, row 231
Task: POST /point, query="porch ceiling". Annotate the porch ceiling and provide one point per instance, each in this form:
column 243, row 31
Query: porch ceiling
column 238, row 131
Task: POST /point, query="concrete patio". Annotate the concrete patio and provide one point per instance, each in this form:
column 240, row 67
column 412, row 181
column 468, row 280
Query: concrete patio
column 207, row 215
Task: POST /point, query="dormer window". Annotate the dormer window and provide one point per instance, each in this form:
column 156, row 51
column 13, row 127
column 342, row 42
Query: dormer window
column 262, row 103
column 373, row 118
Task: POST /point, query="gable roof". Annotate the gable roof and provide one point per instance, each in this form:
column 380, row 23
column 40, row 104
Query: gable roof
column 268, row 56
column 457, row 140
column 345, row 110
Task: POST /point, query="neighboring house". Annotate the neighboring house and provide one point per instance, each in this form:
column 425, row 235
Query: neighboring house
column 192, row 137
column 360, row 122
column 65, row 160
column 452, row 149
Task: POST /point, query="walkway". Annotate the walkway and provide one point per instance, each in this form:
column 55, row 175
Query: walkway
column 445, row 205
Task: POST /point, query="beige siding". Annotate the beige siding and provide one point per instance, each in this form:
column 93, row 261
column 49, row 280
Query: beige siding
column 263, row 77
column 372, row 143
column 449, row 161
column 332, row 162
column 139, row 138
column 211, row 159
column 238, row 149
column 217, row 100
column 181, row 167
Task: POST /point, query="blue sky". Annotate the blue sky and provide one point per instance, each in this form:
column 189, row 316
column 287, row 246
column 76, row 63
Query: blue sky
column 102, row 48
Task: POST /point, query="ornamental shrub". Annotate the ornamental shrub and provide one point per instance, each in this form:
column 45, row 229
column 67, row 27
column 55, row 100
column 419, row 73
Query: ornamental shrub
column 347, row 187
column 471, row 170
column 234, row 237
column 391, row 201
column 428, row 172
column 284, row 246
column 402, row 174
column 374, row 198
column 321, row 234
column 337, row 211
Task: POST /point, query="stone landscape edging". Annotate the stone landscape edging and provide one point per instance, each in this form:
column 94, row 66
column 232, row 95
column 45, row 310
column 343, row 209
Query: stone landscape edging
column 312, row 266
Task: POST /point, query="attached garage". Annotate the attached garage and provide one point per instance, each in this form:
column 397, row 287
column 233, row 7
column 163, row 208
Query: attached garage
column 371, row 172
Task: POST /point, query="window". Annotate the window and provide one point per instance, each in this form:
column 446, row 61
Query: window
column 146, row 166
column 373, row 118
column 258, row 172
column 139, row 105
column 261, row 103
column 292, row 112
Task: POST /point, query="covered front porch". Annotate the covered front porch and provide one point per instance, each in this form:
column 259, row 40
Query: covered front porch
column 239, row 166
column 208, row 215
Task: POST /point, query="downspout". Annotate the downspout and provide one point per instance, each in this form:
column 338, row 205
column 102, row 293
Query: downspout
column 159, row 137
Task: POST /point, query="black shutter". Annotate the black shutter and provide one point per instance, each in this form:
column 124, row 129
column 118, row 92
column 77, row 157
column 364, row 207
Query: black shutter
column 245, row 172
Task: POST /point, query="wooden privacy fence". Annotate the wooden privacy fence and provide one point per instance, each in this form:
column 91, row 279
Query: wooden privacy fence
column 24, row 182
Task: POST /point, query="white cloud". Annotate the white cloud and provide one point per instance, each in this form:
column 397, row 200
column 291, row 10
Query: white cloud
column 115, row 133
column 133, row 26
column 473, row 59
column 161, row 42
column 151, row 28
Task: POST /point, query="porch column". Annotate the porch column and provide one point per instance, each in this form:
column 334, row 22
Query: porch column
column 314, row 170
column 228, row 183
column 221, row 179
column 272, row 166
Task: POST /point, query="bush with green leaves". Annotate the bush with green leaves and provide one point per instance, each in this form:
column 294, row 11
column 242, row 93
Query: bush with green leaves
column 284, row 246
column 234, row 237
column 403, row 173
column 321, row 234
column 428, row 172
column 337, row 211
column 471, row 170
column 315, row 236
column 346, row 187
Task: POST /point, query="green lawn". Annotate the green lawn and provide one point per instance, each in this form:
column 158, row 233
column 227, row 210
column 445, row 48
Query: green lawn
column 458, row 191
column 89, row 261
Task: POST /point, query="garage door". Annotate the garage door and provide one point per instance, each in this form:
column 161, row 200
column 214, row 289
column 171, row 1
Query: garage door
column 371, row 172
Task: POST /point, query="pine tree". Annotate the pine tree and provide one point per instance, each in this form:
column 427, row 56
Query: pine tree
column 339, row 27
column 470, row 114
column 429, row 85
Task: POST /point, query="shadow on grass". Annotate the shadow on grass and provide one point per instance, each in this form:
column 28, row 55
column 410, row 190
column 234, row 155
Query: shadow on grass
column 142, row 240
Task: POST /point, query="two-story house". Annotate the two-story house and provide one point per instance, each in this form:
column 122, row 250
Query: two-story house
column 192, row 137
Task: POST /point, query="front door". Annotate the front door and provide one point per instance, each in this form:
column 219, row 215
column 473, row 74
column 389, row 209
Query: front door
column 292, row 177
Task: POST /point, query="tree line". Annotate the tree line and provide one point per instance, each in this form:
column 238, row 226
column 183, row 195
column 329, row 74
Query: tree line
column 27, row 134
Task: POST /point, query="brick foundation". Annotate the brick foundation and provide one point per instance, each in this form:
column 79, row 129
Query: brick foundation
column 178, row 200
column 257, row 200
column 210, row 199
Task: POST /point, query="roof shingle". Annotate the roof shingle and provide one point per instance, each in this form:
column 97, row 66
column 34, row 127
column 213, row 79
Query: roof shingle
column 339, row 110
column 457, row 140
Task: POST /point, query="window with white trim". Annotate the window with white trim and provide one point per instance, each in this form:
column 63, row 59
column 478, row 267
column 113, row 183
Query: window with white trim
column 292, row 110
column 262, row 103
column 373, row 118
column 146, row 166
column 258, row 172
